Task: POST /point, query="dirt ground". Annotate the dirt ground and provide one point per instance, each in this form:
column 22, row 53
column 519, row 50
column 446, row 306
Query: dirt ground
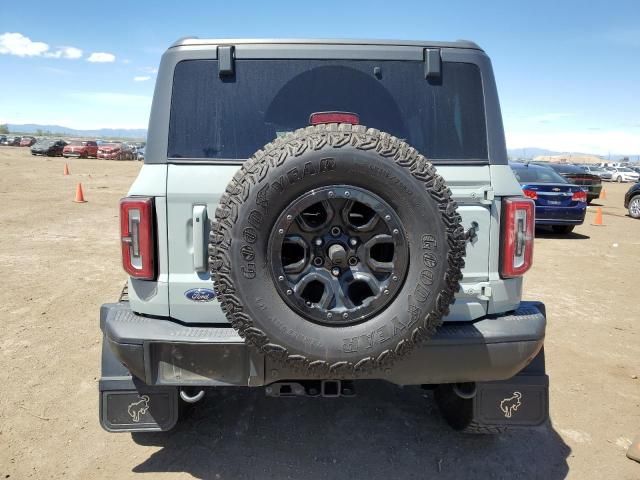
column 60, row 260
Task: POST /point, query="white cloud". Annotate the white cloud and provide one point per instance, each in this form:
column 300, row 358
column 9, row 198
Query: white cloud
column 599, row 142
column 72, row 53
column 22, row 46
column 101, row 57
column 18, row 44
column 141, row 78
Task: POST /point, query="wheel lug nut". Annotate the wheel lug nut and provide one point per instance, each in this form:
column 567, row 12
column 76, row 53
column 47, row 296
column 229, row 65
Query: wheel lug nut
column 281, row 278
column 317, row 261
column 347, row 193
column 353, row 261
column 386, row 292
column 289, row 217
column 281, row 231
column 387, row 217
column 329, row 315
column 353, row 242
column 318, row 242
column 289, row 292
column 396, row 231
column 395, row 278
column 345, row 315
column 331, row 194
column 335, row 271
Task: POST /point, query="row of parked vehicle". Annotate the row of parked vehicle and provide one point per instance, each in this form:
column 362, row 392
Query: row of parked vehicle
column 78, row 148
column 13, row 141
column 613, row 173
column 562, row 191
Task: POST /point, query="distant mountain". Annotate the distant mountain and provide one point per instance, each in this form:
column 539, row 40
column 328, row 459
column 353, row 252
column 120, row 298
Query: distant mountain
column 137, row 133
column 532, row 152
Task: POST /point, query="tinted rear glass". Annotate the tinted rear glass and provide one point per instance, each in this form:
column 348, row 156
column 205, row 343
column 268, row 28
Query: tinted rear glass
column 232, row 117
column 537, row 175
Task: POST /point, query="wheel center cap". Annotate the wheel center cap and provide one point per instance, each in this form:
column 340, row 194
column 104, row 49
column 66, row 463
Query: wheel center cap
column 337, row 254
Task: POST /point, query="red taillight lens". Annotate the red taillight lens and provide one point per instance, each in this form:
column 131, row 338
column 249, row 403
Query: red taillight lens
column 518, row 231
column 334, row 117
column 530, row 194
column 580, row 196
column 137, row 237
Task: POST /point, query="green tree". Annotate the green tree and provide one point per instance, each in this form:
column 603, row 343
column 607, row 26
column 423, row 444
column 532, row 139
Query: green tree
column 4, row 128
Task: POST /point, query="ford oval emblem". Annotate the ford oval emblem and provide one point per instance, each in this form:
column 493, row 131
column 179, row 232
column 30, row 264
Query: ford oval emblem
column 200, row 295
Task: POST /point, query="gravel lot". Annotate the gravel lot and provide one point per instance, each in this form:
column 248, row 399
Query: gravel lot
column 60, row 260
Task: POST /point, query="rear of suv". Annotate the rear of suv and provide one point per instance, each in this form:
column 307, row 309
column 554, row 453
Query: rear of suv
column 313, row 213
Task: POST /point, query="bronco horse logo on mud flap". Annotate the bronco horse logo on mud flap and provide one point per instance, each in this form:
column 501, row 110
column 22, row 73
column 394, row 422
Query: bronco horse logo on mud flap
column 511, row 404
column 138, row 408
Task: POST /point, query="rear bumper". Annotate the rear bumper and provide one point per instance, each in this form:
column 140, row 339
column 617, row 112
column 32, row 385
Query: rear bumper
column 161, row 352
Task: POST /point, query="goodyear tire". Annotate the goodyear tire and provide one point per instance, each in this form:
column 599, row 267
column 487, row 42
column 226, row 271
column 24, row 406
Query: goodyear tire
column 404, row 286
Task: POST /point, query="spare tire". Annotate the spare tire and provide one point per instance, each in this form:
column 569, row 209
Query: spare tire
column 335, row 249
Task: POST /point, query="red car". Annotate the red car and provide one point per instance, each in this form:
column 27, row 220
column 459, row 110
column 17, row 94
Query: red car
column 112, row 151
column 27, row 141
column 81, row 149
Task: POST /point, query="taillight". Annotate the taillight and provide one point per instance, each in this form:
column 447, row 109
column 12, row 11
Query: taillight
column 334, row 117
column 137, row 237
column 518, row 231
column 580, row 196
column 530, row 194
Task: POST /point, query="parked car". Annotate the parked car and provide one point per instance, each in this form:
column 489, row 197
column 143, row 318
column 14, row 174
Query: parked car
column 623, row 174
column 3, row 139
column 590, row 182
column 112, row 151
column 635, row 168
column 12, row 141
column 595, row 170
column 337, row 248
column 559, row 204
column 632, row 200
column 27, row 141
column 140, row 153
column 48, row 147
column 81, row 149
column 128, row 151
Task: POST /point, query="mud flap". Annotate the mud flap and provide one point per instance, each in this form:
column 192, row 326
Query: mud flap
column 129, row 405
column 138, row 409
column 520, row 401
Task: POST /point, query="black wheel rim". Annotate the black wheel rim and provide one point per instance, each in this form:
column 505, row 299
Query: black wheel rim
column 338, row 255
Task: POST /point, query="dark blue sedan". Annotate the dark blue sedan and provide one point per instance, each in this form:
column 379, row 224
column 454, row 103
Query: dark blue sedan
column 559, row 203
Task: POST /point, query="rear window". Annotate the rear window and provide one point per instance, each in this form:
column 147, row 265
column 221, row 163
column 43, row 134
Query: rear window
column 232, row 117
column 537, row 175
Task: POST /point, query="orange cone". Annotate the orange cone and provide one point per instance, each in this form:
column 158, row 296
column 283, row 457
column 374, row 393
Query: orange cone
column 598, row 221
column 79, row 195
column 66, row 169
column 603, row 194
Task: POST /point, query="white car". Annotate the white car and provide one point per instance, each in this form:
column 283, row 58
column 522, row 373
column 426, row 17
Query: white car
column 623, row 174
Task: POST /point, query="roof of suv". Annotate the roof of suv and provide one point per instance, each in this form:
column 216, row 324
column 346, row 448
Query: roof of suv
column 186, row 41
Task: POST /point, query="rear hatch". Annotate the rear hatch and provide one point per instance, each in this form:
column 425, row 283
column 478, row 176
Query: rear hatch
column 217, row 121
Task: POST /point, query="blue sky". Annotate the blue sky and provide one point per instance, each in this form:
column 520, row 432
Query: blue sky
column 568, row 72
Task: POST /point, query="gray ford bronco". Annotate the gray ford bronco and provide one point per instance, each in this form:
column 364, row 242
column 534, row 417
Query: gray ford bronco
column 313, row 213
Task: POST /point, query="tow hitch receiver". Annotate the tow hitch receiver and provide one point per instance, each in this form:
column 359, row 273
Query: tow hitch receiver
column 311, row 388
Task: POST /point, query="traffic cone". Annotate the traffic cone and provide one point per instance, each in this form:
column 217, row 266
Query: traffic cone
column 598, row 220
column 79, row 195
column 603, row 194
column 66, row 169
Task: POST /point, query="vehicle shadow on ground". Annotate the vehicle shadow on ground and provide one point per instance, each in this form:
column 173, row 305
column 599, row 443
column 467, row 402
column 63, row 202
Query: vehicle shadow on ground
column 542, row 232
column 383, row 432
